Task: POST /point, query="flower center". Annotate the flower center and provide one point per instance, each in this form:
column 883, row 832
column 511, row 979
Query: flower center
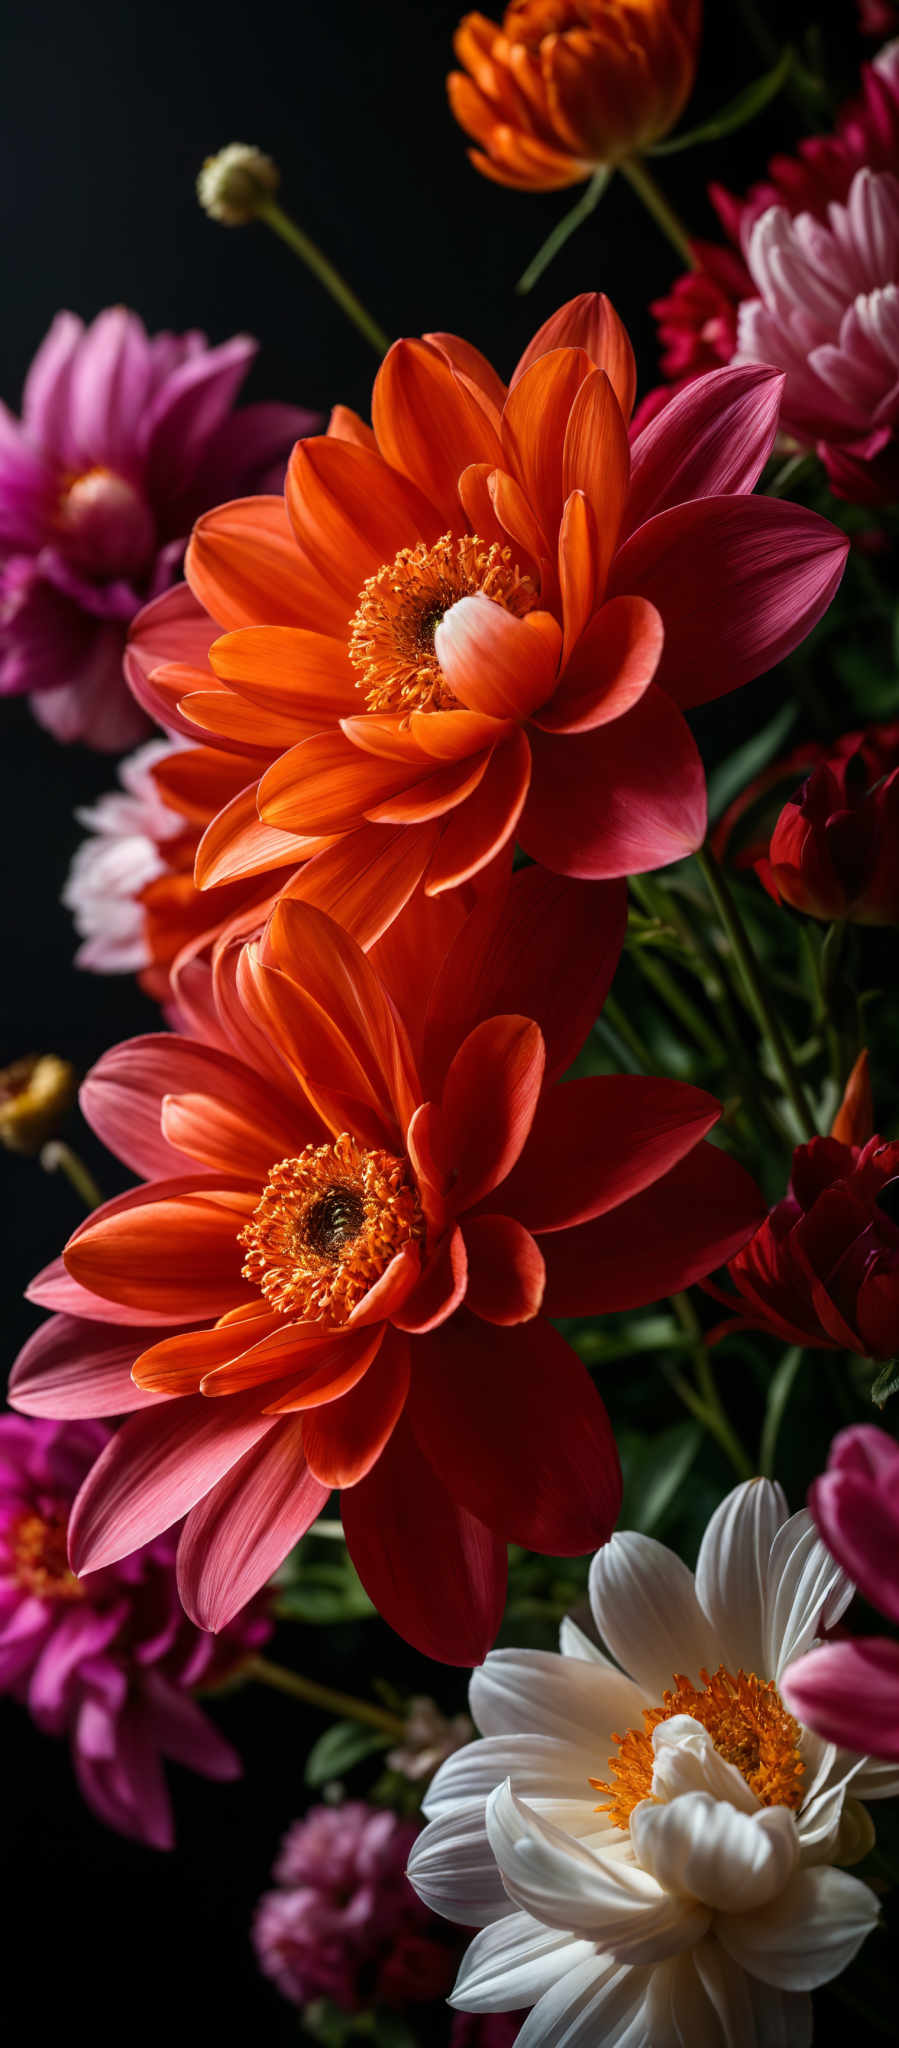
column 40, row 1558
column 328, row 1225
column 391, row 644
column 749, row 1726
column 108, row 526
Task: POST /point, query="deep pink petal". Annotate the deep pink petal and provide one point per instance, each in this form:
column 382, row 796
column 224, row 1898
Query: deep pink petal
column 235, row 1539
column 714, row 436
column 849, row 1693
column 435, row 1572
column 516, row 1428
column 620, row 800
column 69, row 1368
column 156, row 1468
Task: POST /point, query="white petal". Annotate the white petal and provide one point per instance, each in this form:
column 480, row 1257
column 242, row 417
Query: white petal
column 574, row 1643
column 452, row 1868
column 601, row 2002
column 701, row 1848
column 876, row 1780
column 536, row 1692
column 783, row 2019
column 731, row 1571
column 603, row 1899
column 539, row 1767
column 856, row 1836
column 692, row 2007
column 807, row 1935
column 513, row 1963
column 645, row 1608
column 752, row 2015
column 686, row 1760
column 806, row 1592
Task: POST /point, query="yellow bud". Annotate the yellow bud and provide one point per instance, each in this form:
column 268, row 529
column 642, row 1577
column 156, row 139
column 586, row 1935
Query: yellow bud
column 35, row 1093
column 233, row 183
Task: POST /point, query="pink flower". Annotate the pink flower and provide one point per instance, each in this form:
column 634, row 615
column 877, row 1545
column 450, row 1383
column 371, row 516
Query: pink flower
column 124, row 439
column 828, row 316
column 110, row 1660
column 849, row 1688
column 118, row 861
column 345, row 1923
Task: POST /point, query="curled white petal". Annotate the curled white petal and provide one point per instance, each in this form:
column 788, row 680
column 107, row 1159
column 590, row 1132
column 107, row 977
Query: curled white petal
column 700, row 1848
column 805, row 1936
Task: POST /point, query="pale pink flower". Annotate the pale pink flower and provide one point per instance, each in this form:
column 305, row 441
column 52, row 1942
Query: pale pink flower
column 827, row 314
column 848, row 1691
column 122, row 855
column 125, row 438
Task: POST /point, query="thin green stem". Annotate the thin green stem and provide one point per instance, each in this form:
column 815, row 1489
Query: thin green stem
column 55, row 1157
column 795, row 468
column 616, row 1018
column 634, row 169
column 779, row 1393
column 768, row 1020
column 656, row 973
column 343, row 1704
column 710, row 1409
column 559, row 235
column 314, row 259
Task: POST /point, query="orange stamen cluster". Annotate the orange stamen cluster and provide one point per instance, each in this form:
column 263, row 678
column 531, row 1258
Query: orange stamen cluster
column 40, row 1558
column 328, row 1225
column 391, row 644
column 749, row 1726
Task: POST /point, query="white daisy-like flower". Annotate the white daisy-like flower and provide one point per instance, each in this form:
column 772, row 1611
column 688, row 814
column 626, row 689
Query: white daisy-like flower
column 649, row 1846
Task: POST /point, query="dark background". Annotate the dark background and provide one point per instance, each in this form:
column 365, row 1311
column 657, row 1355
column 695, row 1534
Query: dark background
column 107, row 115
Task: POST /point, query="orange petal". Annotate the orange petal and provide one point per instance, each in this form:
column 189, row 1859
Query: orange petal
column 236, row 844
column 244, row 565
column 346, row 425
column 351, row 512
column 476, row 833
column 229, row 720
column 178, row 1364
column 589, row 322
column 534, row 424
column 287, row 671
column 497, row 664
column 428, row 424
column 332, row 1370
column 440, row 791
column 180, row 1249
column 596, row 460
column 366, row 877
column 327, row 785
column 612, row 664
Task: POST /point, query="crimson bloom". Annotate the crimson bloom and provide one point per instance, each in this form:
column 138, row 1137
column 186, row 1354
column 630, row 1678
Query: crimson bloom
column 486, row 617
column 359, row 1219
column 834, row 850
column 124, row 438
column 561, row 86
column 850, row 1685
column 823, row 1270
column 109, row 1660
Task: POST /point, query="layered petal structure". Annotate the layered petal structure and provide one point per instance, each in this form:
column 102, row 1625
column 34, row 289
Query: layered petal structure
column 823, row 1270
column 360, row 1204
column 124, row 438
column 844, row 1687
column 108, row 1660
column 559, row 87
column 645, row 1836
column 485, row 617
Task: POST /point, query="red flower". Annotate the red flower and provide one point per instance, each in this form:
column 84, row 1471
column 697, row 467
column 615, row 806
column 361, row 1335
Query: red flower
column 834, row 851
column 358, row 1220
column 486, row 617
column 823, row 1270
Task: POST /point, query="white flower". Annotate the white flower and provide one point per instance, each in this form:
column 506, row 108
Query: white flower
column 109, row 870
column 660, row 1878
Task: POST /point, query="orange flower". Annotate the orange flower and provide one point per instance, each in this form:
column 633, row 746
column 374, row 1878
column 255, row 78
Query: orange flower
column 563, row 86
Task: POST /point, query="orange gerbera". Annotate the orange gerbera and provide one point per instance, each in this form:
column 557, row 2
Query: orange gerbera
column 481, row 618
column 562, row 86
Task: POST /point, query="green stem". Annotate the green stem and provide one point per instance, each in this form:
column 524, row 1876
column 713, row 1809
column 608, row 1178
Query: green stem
column 656, row 973
column 55, row 1157
column 710, row 1408
column 778, row 1396
column 309, row 253
column 653, row 198
column 769, row 1022
column 788, row 475
column 559, row 235
column 343, row 1704
column 615, row 1017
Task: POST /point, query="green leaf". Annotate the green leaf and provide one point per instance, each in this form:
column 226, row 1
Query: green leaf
column 736, row 113
column 656, row 1473
column 323, row 1594
column 341, row 1746
column 886, row 1383
column 731, row 776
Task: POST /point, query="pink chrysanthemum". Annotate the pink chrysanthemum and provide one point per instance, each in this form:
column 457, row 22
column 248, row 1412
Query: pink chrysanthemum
column 110, row 1660
column 345, row 1923
column 827, row 314
column 124, row 439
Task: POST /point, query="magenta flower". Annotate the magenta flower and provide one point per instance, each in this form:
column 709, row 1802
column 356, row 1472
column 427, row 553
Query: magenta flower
column 110, row 1660
column 827, row 314
column 345, row 1923
column 125, row 438
column 850, row 1688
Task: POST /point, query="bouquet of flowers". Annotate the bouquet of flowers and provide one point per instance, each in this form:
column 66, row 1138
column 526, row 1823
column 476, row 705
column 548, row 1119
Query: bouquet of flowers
column 500, row 1235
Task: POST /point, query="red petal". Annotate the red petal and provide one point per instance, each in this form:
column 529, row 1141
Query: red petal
column 236, row 1538
column 609, row 670
column 621, row 800
column 478, row 831
column 598, row 1141
column 506, row 1273
column 441, row 1287
column 343, row 1439
column 434, row 1572
column 514, row 1424
column 490, row 1095
column 667, row 1237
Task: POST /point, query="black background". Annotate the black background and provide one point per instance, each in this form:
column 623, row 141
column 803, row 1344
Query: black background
column 108, row 112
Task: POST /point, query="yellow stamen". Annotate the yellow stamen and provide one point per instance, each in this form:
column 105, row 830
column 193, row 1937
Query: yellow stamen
column 391, row 644
column 40, row 1559
column 328, row 1225
column 749, row 1726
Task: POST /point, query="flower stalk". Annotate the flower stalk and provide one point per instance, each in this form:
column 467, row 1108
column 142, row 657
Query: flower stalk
column 55, row 1157
column 769, row 1022
column 343, row 1704
column 650, row 193
column 325, row 271
column 564, row 228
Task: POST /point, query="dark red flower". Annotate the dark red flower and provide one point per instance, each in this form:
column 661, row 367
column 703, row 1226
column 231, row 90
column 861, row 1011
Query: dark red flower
column 834, row 851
